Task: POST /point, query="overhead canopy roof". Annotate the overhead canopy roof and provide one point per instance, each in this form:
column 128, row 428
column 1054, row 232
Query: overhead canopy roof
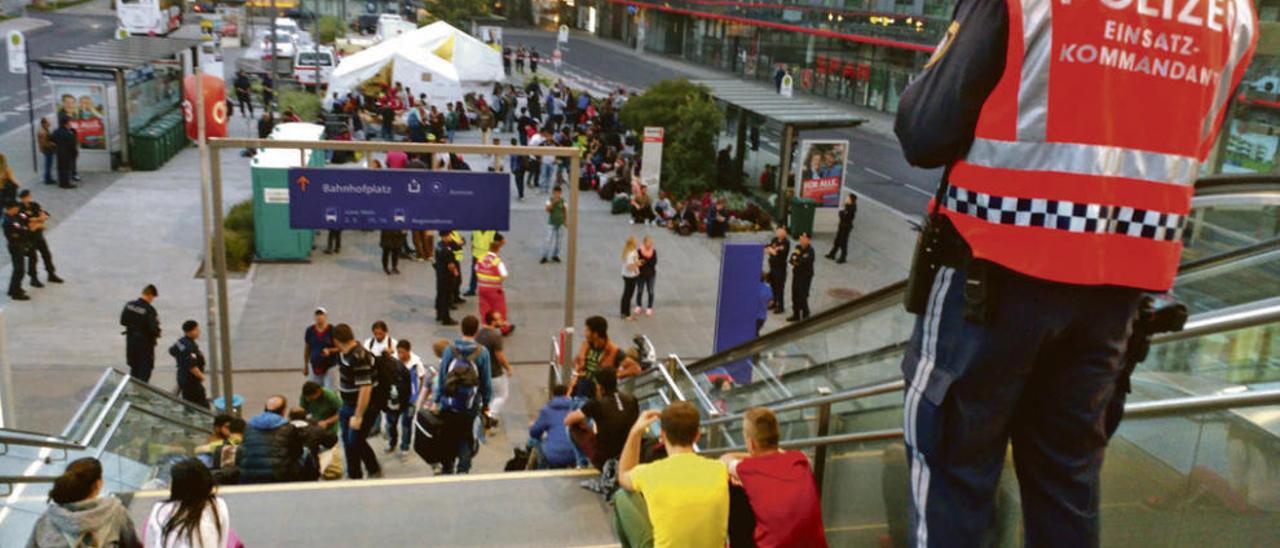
column 764, row 101
column 124, row 54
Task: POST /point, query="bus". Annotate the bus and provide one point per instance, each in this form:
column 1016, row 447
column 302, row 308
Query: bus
column 149, row 17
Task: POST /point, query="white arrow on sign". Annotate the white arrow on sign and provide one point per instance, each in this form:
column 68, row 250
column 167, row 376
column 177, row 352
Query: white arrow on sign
column 16, row 44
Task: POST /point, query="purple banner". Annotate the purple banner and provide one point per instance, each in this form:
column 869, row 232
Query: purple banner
column 390, row 199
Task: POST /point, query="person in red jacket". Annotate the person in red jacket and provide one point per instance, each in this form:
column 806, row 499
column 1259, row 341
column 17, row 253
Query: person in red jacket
column 779, row 487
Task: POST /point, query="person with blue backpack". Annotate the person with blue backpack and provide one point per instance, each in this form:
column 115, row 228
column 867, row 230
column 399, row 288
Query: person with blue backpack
column 465, row 392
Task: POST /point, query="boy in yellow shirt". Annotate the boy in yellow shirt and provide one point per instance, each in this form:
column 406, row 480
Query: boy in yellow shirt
column 680, row 501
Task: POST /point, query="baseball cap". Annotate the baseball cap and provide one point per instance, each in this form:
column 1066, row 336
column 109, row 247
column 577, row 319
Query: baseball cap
column 321, row 310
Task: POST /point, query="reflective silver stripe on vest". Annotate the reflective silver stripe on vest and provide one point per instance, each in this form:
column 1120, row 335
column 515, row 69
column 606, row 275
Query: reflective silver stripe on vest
column 1242, row 30
column 1081, row 159
column 1033, row 87
column 1081, row 218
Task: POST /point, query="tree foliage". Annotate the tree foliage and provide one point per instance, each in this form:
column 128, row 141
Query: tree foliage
column 456, row 12
column 692, row 122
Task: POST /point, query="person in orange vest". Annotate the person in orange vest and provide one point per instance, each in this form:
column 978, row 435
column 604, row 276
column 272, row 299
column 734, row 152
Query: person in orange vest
column 1072, row 134
column 490, row 273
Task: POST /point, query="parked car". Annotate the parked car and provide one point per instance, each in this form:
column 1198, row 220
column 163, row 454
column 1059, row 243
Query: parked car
column 286, row 44
column 366, row 24
column 312, row 66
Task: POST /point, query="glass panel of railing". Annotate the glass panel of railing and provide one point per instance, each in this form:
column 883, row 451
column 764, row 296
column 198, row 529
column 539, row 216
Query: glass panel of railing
column 143, row 446
column 1241, row 356
column 1194, row 479
column 153, row 399
column 20, row 509
column 1249, row 279
column 1218, row 224
column 887, row 325
column 94, row 406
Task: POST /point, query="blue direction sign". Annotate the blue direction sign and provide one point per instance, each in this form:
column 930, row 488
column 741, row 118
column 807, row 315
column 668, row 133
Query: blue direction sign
column 389, row 199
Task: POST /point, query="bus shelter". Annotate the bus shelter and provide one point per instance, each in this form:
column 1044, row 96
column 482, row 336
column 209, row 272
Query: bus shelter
column 763, row 128
column 113, row 89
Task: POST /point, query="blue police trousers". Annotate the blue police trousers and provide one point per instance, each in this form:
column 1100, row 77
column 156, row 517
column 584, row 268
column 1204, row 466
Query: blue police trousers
column 1040, row 374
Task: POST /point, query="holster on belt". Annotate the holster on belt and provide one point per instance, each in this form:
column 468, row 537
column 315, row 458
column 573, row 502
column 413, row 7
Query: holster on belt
column 940, row 245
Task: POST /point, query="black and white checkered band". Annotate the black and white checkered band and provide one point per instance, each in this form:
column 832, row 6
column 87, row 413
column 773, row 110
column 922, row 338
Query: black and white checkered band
column 1063, row 215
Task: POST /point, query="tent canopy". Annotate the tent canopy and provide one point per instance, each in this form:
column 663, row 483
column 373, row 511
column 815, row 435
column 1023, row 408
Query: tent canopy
column 438, row 60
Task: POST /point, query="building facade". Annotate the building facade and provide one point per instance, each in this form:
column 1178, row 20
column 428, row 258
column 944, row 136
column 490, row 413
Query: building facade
column 865, row 52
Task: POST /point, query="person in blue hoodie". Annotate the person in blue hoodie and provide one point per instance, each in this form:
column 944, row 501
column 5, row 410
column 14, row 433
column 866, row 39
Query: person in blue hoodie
column 465, row 392
column 549, row 434
column 272, row 447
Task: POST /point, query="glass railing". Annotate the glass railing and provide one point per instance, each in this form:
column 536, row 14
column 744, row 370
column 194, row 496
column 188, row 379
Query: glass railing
column 136, row 430
column 861, row 343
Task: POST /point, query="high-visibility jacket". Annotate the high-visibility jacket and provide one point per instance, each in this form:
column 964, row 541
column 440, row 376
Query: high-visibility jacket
column 1085, row 153
column 490, row 271
column 480, row 242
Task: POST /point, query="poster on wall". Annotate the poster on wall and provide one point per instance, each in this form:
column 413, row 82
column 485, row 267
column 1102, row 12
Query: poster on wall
column 84, row 103
column 821, row 173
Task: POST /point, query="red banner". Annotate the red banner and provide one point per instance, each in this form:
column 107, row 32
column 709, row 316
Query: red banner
column 215, row 106
column 824, row 190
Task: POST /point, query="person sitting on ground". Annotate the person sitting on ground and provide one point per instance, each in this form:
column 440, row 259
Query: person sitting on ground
column 549, row 436
column 612, row 413
column 682, row 500
column 219, row 453
column 315, row 440
column 641, row 206
column 193, row 516
column 321, row 405
column 272, row 448
column 686, row 221
column 783, row 508
column 663, row 210
column 77, row 517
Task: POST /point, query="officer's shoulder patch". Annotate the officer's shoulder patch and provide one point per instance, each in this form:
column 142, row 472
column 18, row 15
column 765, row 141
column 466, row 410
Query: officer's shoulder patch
column 944, row 45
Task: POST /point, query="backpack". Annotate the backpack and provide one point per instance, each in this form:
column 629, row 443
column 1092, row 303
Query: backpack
column 385, row 387
column 461, row 381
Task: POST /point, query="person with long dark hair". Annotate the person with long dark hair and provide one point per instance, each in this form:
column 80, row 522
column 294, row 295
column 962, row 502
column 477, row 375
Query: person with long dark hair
column 77, row 517
column 193, row 516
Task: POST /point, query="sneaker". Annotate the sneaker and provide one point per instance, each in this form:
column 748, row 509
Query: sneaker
column 793, row 318
column 19, row 296
column 649, row 312
column 543, row 261
column 395, row 271
column 448, row 321
column 390, row 450
column 555, row 259
column 36, row 283
column 592, row 485
column 53, row 278
column 376, row 475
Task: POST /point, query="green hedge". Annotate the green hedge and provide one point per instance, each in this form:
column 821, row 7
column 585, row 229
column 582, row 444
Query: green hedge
column 306, row 105
column 238, row 236
column 330, row 28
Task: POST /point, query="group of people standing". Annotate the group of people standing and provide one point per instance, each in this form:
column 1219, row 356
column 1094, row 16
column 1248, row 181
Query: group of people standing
column 24, row 222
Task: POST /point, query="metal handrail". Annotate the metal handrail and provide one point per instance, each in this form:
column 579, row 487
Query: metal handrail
column 556, row 376
column 853, row 394
column 84, row 405
column 111, row 430
column 670, row 382
column 703, row 399
column 52, row 442
column 8, row 481
column 150, row 388
column 1227, row 319
column 1214, row 402
column 1205, row 263
column 106, row 408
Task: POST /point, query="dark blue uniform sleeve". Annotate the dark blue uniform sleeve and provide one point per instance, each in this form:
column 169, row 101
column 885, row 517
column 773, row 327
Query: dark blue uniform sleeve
column 938, row 112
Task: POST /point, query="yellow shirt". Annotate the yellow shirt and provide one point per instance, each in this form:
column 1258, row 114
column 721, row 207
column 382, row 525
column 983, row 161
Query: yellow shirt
column 688, row 500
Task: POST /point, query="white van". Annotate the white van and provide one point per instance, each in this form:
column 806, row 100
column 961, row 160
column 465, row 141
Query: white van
column 312, row 66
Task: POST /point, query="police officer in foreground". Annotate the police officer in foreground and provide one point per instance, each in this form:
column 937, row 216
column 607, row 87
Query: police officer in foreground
column 1068, row 180
column 141, row 330
column 37, row 217
column 18, row 239
column 190, row 363
column 801, row 278
column 777, row 251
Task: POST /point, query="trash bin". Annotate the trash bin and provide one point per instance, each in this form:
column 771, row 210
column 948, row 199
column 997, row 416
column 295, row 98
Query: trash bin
column 800, row 218
column 237, row 402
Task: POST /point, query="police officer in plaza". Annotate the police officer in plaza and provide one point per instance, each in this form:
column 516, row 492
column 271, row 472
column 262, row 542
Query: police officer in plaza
column 18, row 238
column 1070, row 163
column 447, row 274
column 190, row 363
column 141, row 331
column 37, row 217
column 801, row 278
column 777, row 250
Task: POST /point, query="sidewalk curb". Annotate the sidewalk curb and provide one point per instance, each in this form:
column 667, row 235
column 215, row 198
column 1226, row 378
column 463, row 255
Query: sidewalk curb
column 24, row 24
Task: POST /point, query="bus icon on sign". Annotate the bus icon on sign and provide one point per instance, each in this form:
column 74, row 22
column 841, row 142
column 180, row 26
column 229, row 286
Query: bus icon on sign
column 331, row 215
column 397, row 216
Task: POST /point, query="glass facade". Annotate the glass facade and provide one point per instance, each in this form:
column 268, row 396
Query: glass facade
column 1250, row 141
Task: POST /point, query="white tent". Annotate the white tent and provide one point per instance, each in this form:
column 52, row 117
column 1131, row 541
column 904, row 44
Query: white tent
column 438, row 60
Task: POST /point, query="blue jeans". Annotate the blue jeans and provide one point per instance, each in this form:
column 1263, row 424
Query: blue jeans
column 552, row 246
column 355, row 443
column 394, row 427
column 547, row 176
column 49, row 176
column 643, row 282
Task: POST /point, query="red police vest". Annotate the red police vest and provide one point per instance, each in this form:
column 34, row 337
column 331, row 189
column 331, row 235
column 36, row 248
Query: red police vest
column 488, row 271
column 1086, row 152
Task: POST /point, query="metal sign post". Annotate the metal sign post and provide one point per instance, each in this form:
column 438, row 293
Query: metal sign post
column 211, row 308
column 7, row 417
column 16, row 46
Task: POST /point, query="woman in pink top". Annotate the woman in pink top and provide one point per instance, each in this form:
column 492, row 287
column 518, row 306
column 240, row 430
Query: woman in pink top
column 396, row 159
